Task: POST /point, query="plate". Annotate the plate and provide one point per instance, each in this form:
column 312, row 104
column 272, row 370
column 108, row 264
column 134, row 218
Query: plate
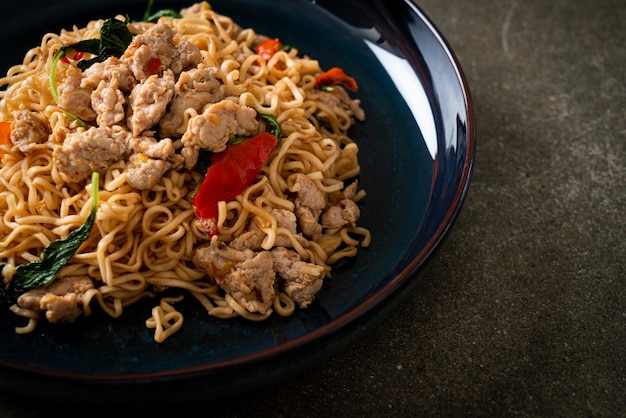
column 417, row 150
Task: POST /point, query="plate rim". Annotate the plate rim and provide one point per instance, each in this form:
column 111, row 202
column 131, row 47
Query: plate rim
column 325, row 332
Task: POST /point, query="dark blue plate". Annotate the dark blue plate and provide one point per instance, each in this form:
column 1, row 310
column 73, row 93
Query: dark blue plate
column 416, row 152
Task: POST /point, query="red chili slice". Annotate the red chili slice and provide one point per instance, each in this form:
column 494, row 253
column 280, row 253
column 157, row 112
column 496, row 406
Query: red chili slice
column 153, row 65
column 230, row 174
column 268, row 48
column 336, row 76
column 5, row 135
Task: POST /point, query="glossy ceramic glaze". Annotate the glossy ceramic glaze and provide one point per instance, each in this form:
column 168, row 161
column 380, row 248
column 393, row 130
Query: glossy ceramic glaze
column 416, row 154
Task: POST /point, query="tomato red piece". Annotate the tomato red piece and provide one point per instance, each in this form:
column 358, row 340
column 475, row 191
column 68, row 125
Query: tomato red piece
column 78, row 55
column 230, row 174
column 153, row 65
column 268, row 48
column 5, row 135
column 336, row 76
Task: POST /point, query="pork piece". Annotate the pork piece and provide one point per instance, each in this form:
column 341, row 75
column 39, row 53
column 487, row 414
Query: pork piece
column 144, row 173
column 310, row 202
column 346, row 212
column 189, row 56
column 150, row 161
column 28, row 132
column 95, row 149
column 250, row 239
column 108, row 102
column 194, row 89
column 339, row 99
column 217, row 125
column 302, row 280
column 309, row 223
column 287, row 220
column 309, row 196
column 108, row 70
column 152, row 52
column 60, row 300
column 73, row 97
column 246, row 275
column 349, row 192
column 148, row 102
column 253, row 237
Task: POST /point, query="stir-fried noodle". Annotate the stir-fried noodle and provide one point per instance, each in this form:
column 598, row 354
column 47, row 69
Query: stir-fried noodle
column 141, row 122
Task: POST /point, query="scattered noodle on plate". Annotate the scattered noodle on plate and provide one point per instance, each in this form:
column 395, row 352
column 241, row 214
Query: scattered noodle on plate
column 187, row 88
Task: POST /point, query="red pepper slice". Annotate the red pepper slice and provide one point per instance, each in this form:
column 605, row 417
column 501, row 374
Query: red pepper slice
column 153, row 65
column 5, row 135
column 78, row 55
column 336, row 76
column 230, row 174
column 268, row 48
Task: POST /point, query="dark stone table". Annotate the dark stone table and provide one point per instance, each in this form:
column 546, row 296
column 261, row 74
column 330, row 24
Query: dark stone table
column 523, row 313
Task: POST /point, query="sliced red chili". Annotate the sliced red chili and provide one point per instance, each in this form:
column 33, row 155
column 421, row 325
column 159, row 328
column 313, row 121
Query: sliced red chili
column 230, row 174
column 268, row 48
column 336, row 76
column 153, row 65
column 76, row 56
column 5, row 135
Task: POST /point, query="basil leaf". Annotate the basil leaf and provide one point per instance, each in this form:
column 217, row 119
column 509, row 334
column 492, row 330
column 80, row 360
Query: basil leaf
column 148, row 16
column 84, row 64
column 114, row 39
column 274, row 127
column 237, row 140
column 204, row 161
column 165, row 12
column 57, row 254
column 88, row 45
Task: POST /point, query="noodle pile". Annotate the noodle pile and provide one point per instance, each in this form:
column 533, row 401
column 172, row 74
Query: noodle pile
column 144, row 241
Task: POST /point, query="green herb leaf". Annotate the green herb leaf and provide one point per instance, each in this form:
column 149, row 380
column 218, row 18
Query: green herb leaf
column 165, row 12
column 91, row 46
column 237, row 140
column 274, row 127
column 148, row 16
column 204, row 161
column 114, row 39
column 57, row 254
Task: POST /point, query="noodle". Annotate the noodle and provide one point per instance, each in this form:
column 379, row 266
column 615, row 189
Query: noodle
column 147, row 239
